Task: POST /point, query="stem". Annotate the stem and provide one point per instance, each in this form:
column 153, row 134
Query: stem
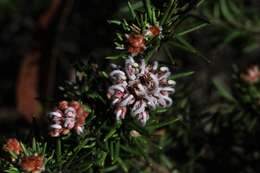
column 58, row 154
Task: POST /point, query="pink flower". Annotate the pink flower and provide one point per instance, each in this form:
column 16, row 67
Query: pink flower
column 140, row 88
column 67, row 117
column 252, row 75
column 70, row 117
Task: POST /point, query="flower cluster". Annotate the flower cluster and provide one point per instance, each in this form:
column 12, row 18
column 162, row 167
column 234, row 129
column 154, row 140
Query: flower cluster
column 12, row 145
column 140, row 88
column 136, row 44
column 32, row 164
column 252, row 75
column 28, row 164
column 67, row 116
column 136, row 41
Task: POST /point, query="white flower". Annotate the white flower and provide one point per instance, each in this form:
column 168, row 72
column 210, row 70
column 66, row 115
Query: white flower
column 140, row 88
column 68, row 116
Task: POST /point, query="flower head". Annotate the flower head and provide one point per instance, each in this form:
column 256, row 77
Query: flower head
column 252, row 75
column 32, row 164
column 66, row 117
column 153, row 31
column 140, row 88
column 12, row 145
column 136, row 44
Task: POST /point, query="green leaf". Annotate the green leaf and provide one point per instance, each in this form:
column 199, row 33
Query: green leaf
column 134, row 4
column 122, row 165
column 166, row 13
column 154, row 16
column 234, row 8
column 95, row 96
column 132, row 12
column 130, row 150
column 168, row 53
column 12, row 170
column 181, row 75
column 112, row 153
column 104, row 74
column 111, row 133
column 13, row 154
column 233, row 35
column 251, row 47
column 148, row 8
column 160, row 125
column 160, row 110
column 200, row 3
column 117, row 149
column 59, row 154
column 191, row 29
column 111, row 168
column 227, row 13
column 223, row 91
column 184, row 45
column 166, row 161
column 34, row 144
column 24, row 149
column 114, row 57
column 216, row 12
column 44, row 148
column 101, row 157
column 85, row 167
column 117, row 22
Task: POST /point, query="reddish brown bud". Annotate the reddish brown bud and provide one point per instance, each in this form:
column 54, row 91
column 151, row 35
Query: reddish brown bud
column 85, row 114
column 80, row 112
column 154, row 30
column 81, row 116
column 32, row 164
column 135, row 50
column 75, row 105
column 55, row 132
column 63, row 105
column 136, row 43
column 136, row 40
column 12, row 145
column 65, row 131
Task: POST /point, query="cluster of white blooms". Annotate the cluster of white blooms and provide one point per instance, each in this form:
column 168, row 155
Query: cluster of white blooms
column 66, row 117
column 140, row 88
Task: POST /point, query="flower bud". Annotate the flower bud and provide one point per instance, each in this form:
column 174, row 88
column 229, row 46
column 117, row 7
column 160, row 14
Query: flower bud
column 32, row 164
column 12, row 145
